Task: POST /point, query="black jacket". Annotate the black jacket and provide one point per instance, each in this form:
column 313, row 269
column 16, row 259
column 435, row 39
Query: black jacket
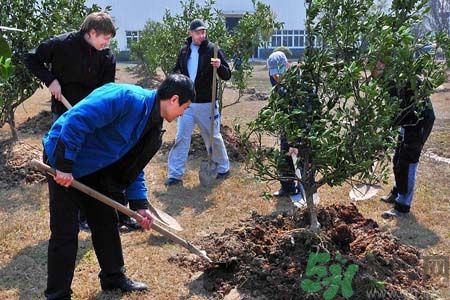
column 416, row 121
column 78, row 66
column 203, row 80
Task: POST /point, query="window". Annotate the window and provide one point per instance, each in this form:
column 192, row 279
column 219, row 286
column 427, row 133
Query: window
column 132, row 37
column 288, row 38
column 231, row 22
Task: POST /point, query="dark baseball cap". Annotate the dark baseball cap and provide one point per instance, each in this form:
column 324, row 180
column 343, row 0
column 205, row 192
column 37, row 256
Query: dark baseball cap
column 197, row 25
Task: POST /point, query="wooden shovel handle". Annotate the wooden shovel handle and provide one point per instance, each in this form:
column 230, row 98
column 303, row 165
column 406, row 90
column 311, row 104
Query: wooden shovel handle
column 123, row 209
column 213, row 106
column 65, row 102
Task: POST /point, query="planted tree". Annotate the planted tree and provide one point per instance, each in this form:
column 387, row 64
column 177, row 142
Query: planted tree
column 39, row 20
column 333, row 108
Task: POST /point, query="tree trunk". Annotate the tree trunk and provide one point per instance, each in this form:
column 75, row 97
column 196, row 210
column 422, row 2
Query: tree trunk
column 12, row 125
column 314, row 222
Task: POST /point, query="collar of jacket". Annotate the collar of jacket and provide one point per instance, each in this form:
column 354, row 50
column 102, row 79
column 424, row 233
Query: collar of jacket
column 202, row 45
column 83, row 42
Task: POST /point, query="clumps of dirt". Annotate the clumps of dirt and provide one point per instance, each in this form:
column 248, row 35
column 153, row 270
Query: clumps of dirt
column 14, row 164
column 39, row 124
column 271, row 254
column 256, row 95
column 234, row 146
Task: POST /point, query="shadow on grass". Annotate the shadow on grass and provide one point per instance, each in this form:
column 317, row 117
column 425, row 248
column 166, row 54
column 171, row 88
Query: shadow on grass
column 26, row 273
column 179, row 197
column 196, row 287
column 411, row 232
column 22, row 197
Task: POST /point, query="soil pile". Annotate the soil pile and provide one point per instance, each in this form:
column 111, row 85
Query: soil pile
column 14, row 160
column 198, row 150
column 271, row 255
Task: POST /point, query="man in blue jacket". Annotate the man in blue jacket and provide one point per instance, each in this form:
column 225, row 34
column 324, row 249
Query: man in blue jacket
column 105, row 141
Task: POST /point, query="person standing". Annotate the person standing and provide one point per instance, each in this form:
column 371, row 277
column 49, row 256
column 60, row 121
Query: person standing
column 277, row 64
column 195, row 60
column 415, row 128
column 105, row 141
column 72, row 65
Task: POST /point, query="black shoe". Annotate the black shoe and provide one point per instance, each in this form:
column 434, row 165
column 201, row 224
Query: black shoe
column 283, row 193
column 84, row 226
column 125, row 285
column 393, row 213
column 223, row 175
column 172, row 181
column 389, row 198
column 130, row 224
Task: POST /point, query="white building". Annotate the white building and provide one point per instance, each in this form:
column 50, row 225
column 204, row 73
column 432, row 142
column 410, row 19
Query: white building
column 131, row 16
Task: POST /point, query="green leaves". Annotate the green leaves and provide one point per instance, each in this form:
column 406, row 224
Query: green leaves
column 5, row 61
column 5, row 50
column 330, row 277
column 337, row 109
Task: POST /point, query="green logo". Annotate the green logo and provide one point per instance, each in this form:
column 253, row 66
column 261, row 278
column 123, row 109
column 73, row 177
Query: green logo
column 332, row 278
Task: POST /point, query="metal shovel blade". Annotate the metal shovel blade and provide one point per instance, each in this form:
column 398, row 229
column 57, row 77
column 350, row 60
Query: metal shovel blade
column 165, row 218
column 363, row 192
column 207, row 174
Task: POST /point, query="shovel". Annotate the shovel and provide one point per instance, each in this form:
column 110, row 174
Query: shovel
column 365, row 191
column 125, row 210
column 299, row 199
column 159, row 214
column 208, row 173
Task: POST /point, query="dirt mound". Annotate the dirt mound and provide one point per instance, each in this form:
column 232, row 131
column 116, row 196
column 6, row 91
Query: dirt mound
column 38, row 124
column 14, row 168
column 271, row 257
column 198, row 149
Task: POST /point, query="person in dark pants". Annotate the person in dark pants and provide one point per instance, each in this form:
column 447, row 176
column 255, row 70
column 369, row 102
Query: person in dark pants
column 105, row 141
column 415, row 124
column 72, row 65
column 277, row 64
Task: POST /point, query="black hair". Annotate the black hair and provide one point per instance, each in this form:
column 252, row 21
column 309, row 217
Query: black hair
column 177, row 84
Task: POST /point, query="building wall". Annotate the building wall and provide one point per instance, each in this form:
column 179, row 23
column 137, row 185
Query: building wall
column 131, row 16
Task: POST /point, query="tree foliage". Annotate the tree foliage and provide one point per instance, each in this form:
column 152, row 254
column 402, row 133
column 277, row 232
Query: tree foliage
column 338, row 114
column 5, row 60
column 40, row 19
column 160, row 41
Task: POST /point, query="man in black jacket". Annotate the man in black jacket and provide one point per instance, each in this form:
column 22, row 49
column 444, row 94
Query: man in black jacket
column 74, row 64
column 416, row 122
column 195, row 61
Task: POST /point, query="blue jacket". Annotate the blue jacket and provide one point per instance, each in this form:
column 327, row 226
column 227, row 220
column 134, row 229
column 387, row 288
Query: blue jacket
column 102, row 128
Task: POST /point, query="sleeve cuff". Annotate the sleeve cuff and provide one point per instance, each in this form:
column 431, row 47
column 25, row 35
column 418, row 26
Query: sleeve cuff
column 62, row 164
column 138, row 204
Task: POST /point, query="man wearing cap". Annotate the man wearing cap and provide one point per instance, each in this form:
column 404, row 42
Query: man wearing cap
column 277, row 64
column 195, row 60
